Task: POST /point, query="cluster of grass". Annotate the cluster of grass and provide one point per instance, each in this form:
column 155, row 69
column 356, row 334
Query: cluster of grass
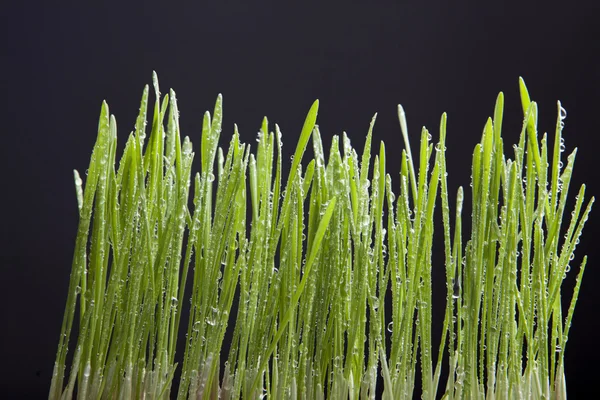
column 307, row 263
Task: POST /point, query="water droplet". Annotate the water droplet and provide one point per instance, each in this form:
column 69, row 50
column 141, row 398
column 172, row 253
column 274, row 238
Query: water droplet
column 211, row 177
column 213, row 317
column 563, row 113
column 77, row 289
column 375, row 302
column 86, row 370
column 365, row 221
column 390, row 326
column 263, row 394
column 187, row 146
column 196, row 327
column 78, row 180
column 456, row 289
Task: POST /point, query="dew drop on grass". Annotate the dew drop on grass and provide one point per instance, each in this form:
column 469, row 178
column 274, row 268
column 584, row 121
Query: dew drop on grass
column 390, row 327
column 196, row 327
column 563, row 113
column 558, row 348
column 187, row 146
column 455, row 289
column 211, row 177
column 78, row 181
column 212, row 318
column 375, row 302
column 263, row 394
column 86, row 370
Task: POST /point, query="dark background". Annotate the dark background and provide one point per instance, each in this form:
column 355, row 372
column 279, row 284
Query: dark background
column 60, row 61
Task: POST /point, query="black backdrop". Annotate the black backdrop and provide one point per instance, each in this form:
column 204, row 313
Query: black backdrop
column 358, row 57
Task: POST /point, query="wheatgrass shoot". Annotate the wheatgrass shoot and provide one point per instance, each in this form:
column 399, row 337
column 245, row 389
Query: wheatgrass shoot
column 315, row 258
